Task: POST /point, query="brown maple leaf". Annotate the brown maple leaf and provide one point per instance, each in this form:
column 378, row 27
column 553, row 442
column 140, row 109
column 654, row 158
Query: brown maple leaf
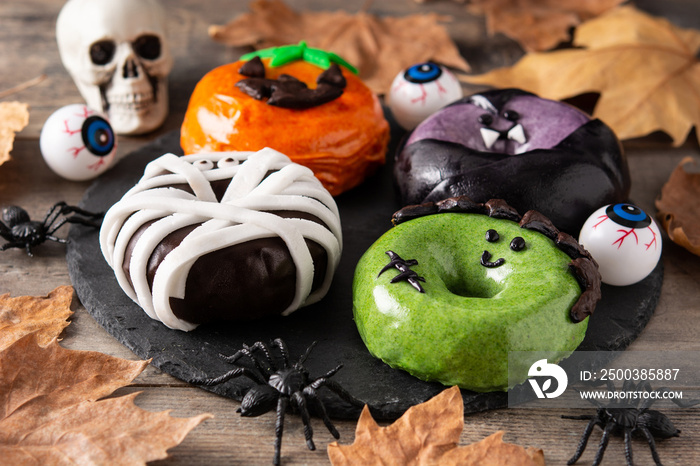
column 379, row 47
column 644, row 68
column 428, row 434
column 51, row 411
column 45, row 316
column 538, row 24
column 679, row 209
column 14, row 116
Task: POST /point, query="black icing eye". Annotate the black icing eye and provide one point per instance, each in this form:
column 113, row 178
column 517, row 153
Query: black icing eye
column 102, row 52
column 492, row 236
column 518, row 244
column 628, row 215
column 511, row 115
column 147, row 46
column 485, row 119
column 98, row 136
column 423, row 73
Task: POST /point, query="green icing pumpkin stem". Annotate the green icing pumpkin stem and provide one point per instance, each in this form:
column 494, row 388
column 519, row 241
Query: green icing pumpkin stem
column 289, row 53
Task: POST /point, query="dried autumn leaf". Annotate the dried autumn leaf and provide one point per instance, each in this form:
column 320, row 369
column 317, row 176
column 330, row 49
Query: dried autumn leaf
column 45, row 316
column 538, row 24
column 14, row 116
column 679, row 209
column 50, row 413
column 379, row 47
column 644, row 68
column 428, row 434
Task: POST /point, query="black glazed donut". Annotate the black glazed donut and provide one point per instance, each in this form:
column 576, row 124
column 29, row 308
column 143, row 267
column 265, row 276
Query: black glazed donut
column 535, row 153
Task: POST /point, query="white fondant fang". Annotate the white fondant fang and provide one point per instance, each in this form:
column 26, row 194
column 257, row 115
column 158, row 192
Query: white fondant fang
column 489, row 136
column 517, row 134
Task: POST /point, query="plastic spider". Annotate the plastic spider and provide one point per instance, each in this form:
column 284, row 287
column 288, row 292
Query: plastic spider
column 620, row 419
column 21, row 232
column 281, row 387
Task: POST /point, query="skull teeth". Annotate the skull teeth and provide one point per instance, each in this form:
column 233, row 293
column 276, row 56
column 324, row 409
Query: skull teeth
column 131, row 102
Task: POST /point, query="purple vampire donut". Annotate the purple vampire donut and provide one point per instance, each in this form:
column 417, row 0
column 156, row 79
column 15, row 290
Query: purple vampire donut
column 535, row 153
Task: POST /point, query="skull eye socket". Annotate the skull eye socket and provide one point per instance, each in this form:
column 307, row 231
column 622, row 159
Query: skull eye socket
column 147, row 46
column 102, row 52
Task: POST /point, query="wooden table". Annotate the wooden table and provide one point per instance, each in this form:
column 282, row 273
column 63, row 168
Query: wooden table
column 28, row 49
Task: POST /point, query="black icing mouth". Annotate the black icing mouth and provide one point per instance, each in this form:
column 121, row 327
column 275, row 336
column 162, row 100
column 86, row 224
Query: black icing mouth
column 486, row 261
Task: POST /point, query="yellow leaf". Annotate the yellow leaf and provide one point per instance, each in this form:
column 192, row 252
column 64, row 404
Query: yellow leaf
column 379, row 47
column 14, row 116
column 51, row 412
column 538, row 24
column 428, row 434
column 23, row 315
column 644, row 68
column 679, row 209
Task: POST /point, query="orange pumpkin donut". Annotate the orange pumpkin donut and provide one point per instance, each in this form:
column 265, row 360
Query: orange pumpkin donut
column 342, row 140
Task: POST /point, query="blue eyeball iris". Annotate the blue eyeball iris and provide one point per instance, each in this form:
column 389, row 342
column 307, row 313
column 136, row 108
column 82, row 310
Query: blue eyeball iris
column 423, row 73
column 98, row 136
column 628, row 215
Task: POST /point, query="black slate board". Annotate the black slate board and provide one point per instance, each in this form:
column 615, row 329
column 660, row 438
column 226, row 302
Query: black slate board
column 365, row 213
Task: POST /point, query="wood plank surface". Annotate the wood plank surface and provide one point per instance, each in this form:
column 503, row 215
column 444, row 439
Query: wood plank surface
column 28, row 49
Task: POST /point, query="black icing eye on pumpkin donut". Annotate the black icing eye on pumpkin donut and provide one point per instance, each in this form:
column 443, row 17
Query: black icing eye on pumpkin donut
column 534, row 153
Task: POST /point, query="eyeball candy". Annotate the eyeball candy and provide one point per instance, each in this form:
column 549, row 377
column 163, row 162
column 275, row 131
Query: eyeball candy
column 624, row 241
column 77, row 143
column 421, row 90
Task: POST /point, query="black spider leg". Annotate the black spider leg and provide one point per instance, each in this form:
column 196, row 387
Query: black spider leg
column 279, row 343
column 282, row 404
column 237, row 372
column 61, row 208
column 682, row 403
column 628, row 446
column 594, row 420
column 300, row 402
column 603, row 443
column 310, row 392
column 324, row 381
column 5, row 231
column 306, row 354
column 248, row 351
column 652, row 445
column 15, row 244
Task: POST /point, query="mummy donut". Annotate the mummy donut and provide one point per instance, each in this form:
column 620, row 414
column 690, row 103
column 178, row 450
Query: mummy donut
column 223, row 236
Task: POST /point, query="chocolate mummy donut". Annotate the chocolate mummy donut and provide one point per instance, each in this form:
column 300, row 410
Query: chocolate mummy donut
column 223, row 236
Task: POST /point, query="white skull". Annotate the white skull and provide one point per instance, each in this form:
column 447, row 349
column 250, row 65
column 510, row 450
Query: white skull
column 117, row 54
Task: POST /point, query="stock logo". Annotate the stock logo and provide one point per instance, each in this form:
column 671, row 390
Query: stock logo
column 541, row 369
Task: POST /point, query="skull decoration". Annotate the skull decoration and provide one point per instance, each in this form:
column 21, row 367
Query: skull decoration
column 116, row 52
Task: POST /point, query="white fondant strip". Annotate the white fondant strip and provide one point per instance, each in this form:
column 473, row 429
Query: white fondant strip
column 260, row 182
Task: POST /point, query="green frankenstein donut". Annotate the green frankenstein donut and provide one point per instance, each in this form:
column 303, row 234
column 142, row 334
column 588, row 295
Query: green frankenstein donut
column 456, row 285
